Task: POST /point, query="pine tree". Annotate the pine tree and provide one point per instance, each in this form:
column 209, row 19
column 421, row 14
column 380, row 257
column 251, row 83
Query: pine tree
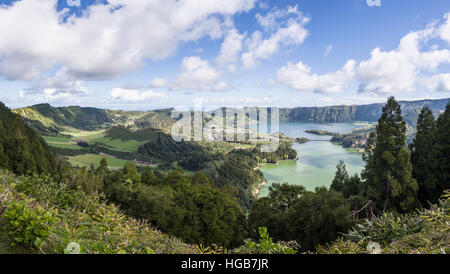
column 351, row 186
column 388, row 171
column 423, row 160
column 340, row 177
column 442, row 149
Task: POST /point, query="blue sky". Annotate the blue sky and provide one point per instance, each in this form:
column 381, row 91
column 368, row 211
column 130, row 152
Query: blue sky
column 156, row 54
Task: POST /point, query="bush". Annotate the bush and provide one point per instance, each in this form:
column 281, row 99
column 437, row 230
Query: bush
column 266, row 245
column 385, row 228
column 27, row 226
column 423, row 232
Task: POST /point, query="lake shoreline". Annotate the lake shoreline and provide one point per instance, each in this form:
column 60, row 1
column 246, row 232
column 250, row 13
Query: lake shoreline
column 318, row 160
column 257, row 189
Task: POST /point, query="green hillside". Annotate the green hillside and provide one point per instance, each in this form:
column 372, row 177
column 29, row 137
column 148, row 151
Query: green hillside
column 35, row 220
column 22, row 150
column 75, row 120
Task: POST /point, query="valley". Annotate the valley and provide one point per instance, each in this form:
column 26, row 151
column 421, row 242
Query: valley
column 129, row 159
column 83, row 136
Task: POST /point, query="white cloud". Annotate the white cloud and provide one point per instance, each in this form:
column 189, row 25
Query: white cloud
column 327, row 50
column 270, row 20
column 196, row 74
column 439, row 82
column 134, row 95
column 61, row 82
column 109, row 39
column 230, row 50
column 289, row 32
column 236, row 101
column 298, row 77
column 51, row 95
column 398, row 70
column 444, row 30
column 373, row 3
column 385, row 72
column 159, row 83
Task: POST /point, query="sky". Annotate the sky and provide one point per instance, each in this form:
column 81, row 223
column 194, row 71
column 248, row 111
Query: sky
column 150, row 54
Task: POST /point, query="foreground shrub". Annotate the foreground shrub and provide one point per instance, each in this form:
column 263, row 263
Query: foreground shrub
column 27, row 226
column 86, row 224
column 266, row 245
column 424, row 231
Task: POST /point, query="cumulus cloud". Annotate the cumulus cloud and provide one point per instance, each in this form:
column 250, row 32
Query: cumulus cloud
column 230, row 50
column 195, row 74
column 270, row 20
column 61, row 82
column 159, row 83
column 108, row 39
column 299, row 77
column 398, row 70
column 134, row 95
column 236, row 101
column 289, row 31
column 444, row 29
column 439, row 82
column 52, row 95
column 385, row 72
column 61, row 87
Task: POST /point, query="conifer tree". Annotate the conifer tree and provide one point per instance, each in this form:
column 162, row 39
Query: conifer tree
column 424, row 162
column 442, row 149
column 388, row 171
column 340, row 177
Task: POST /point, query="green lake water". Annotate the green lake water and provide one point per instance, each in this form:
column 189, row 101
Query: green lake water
column 317, row 159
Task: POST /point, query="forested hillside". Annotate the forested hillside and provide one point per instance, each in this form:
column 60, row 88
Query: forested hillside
column 22, row 150
column 50, row 210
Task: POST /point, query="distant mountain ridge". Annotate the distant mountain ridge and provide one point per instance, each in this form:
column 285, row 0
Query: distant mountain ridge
column 351, row 113
column 49, row 120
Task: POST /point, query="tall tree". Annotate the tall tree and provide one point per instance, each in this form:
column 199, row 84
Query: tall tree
column 442, row 149
column 388, row 170
column 424, row 162
column 340, row 177
column 292, row 213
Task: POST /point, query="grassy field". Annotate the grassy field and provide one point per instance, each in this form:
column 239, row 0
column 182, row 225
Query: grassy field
column 93, row 137
column 114, row 144
column 61, row 142
column 87, row 159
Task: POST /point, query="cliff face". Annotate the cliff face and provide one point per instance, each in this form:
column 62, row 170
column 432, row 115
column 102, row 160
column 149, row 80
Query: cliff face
column 370, row 113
